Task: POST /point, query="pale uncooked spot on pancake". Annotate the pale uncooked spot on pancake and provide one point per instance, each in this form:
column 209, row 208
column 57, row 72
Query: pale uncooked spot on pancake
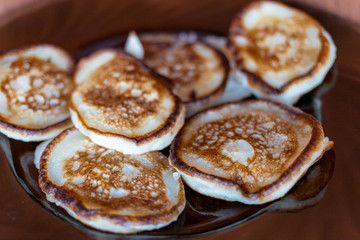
column 38, row 151
column 129, row 193
column 243, row 149
column 134, row 46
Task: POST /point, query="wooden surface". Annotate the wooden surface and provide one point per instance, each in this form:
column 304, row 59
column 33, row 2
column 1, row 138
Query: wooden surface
column 73, row 24
column 348, row 9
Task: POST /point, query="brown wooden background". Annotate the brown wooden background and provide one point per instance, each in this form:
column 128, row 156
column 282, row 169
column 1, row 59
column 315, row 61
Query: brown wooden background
column 349, row 9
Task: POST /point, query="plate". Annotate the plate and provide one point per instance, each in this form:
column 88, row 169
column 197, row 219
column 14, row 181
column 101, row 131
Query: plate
column 202, row 215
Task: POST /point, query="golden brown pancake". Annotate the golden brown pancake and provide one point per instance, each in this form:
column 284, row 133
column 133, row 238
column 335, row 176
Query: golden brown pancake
column 252, row 151
column 199, row 70
column 281, row 53
column 106, row 189
column 119, row 103
column 35, row 84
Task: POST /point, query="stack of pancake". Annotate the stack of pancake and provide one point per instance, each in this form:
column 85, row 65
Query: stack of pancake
column 107, row 170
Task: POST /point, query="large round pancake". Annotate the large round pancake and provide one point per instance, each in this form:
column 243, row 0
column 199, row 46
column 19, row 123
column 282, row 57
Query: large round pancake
column 35, row 85
column 106, row 189
column 199, row 70
column 281, row 52
column 252, row 151
column 119, row 103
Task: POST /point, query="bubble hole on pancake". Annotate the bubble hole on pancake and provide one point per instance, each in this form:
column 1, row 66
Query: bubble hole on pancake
column 35, row 85
column 281, row 53
column 252, row 151
column 121, row 104
column 108, row 190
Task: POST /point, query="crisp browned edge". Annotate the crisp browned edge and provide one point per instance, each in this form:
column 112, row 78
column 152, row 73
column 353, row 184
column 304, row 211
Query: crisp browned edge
column 256, row 81
column 26, row 132
column 14, row 128
column 74, row 202
column 223, row 59
column 290, row 173
column 155, row 134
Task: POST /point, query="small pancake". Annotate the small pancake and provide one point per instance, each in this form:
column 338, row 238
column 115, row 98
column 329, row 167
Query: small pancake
column 35, row 85
column 281, row 53
column 252, row 151
column 198, row 70
column 119, row 103
column 108, row 190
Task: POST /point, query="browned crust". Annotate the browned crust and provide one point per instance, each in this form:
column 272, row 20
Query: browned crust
column 75, row 203
column 292, row 172
column 255, row 81
column 67, row 55
column 26, row 132
column 155, row 134
column 224, row 62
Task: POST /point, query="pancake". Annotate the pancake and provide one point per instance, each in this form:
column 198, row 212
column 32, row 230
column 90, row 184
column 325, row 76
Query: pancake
column 198, row 70
column 108, row 190
column 281, row 53
column 119, row 103
column 252, row 151
column 35, row 84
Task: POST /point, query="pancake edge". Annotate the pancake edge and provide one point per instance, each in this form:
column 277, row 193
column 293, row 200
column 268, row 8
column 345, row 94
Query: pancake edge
column 33, row 135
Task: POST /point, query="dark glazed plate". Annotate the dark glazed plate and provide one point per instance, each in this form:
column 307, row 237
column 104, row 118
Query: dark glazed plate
column 202, row 215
